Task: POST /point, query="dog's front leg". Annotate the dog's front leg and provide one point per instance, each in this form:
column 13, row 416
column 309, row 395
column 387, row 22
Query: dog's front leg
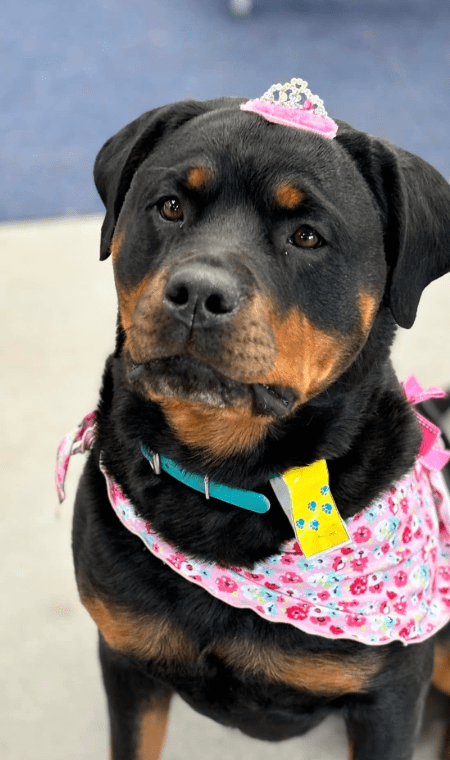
column 386, row 725
column 138, row 708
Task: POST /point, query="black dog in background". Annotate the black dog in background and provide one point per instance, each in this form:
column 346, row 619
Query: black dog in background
column 260, row 272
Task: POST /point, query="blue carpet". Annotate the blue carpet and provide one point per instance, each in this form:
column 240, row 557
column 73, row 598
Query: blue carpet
column 74, row 73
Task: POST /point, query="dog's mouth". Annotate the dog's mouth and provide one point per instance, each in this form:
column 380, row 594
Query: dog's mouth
column 184, row 377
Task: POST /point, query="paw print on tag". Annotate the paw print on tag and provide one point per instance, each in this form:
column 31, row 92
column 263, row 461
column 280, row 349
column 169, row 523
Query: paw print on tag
column 324, row 490
column 300, row 523
column 312, row 505
column 314, row 524
column 327, row 508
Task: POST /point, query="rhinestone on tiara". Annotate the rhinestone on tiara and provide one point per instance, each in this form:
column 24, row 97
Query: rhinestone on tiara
column 293, row 105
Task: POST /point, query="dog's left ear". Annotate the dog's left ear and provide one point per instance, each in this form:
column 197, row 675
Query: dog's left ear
column 414, row 200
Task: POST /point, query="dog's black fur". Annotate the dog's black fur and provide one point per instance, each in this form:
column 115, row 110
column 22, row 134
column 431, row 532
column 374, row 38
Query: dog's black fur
column 197, row 188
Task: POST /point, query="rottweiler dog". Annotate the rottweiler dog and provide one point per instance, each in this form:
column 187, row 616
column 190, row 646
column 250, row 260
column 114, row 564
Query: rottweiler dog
column 261, row 272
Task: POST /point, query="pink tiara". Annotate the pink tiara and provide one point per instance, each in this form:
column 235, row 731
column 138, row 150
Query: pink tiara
column 293, row 105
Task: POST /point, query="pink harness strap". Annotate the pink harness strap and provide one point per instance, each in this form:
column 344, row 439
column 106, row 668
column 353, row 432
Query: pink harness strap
column 392, row 583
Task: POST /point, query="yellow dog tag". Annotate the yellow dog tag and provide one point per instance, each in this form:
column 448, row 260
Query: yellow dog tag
column 304, row 493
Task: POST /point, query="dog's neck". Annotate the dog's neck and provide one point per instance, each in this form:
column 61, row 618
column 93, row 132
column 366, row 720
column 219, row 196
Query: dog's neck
column 362, row 426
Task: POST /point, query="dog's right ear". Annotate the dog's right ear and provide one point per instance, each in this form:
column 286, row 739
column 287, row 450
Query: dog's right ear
column 122, row 155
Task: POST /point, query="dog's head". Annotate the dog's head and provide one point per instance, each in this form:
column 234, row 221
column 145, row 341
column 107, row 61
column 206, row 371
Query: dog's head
column 251, row 260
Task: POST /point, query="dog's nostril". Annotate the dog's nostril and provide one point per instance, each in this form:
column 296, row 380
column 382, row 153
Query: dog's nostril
column 216, row 304
column 179, row 297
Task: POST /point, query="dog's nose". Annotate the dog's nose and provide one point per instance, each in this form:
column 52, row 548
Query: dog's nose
column 203, row 293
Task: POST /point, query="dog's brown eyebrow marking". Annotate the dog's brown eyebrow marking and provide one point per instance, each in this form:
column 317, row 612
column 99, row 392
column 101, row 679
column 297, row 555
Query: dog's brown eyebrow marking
column 198, row 177
column 287, row 196
column 319, row 673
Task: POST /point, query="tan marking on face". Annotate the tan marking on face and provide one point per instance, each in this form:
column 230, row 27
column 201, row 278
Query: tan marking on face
column 140, row 309
column 307, row 358
column 368, row 307
column 116, row 244
column 287, row 196
column 245, row 348
column 153, row 729
column 219, row 432
column 319, row 673
column 128, row 301
column 198, row 177
column 147, row 636
column 441, row 668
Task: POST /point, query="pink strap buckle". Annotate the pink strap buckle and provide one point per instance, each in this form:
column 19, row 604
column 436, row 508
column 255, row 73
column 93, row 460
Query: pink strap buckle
column 433, row 456
column 76, row 442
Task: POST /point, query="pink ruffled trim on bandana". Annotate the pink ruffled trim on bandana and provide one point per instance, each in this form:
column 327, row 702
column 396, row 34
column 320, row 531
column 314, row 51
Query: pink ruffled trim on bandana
column 392, row 583
column 288, row 116
column 76, row 442
column 433, row 455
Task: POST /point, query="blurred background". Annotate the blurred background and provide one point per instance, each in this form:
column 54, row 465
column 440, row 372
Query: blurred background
column 73, row 73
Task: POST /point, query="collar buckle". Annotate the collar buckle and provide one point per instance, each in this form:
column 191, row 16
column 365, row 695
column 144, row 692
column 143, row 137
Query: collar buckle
column 155, row 463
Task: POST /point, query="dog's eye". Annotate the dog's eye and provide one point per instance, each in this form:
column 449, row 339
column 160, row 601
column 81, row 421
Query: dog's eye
column 171, row 210
column 305, row 237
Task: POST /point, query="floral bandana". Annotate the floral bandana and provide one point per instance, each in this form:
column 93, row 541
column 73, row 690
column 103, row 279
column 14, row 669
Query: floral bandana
column 392, row 583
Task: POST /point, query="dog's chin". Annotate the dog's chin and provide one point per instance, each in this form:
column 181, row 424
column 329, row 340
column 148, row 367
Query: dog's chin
column 186, row 378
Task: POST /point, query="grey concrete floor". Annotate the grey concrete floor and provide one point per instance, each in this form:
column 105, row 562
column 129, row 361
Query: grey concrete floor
column 58, row 317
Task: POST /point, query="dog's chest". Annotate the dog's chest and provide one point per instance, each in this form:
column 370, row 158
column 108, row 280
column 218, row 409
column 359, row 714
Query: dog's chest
column 230, row 664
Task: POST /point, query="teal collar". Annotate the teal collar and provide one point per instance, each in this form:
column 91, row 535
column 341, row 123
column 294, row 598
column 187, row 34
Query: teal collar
column 251, row 500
